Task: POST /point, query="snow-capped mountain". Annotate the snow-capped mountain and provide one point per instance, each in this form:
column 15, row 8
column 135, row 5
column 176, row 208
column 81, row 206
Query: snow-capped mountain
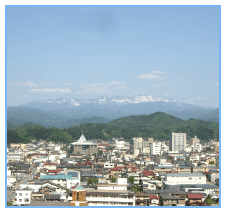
column 68, row 103
column 62, row 112
column 116, row 107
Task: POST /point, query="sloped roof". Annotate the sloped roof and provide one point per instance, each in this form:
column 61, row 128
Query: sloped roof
column 79, row 187
column 195, row 196
column 82, row 140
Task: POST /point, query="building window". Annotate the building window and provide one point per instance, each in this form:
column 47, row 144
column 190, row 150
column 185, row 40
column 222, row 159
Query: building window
column 20, row 200
column 20, row 194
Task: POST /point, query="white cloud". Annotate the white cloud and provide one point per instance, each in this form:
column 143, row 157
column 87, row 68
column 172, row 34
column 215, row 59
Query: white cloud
column 47, row 90
column 147, row 76
column 158, row 72
column 116, row 83
column 26, row 84
column 152, row 75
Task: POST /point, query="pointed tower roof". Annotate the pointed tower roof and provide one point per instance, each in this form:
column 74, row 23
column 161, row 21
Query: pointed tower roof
column 82, row 138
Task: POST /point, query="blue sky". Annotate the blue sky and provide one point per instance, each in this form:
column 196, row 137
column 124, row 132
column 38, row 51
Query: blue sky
column 88, row 52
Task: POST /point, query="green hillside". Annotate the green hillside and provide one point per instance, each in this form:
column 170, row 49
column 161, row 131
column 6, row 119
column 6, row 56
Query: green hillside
column 158, row 125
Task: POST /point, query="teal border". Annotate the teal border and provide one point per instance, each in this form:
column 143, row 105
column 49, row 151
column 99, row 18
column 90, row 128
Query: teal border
column 145, row 2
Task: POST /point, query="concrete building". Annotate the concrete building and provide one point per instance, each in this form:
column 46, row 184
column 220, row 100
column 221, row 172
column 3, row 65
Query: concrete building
column 194, row 141
column 184, row 178
column 120, row 185
column 140, row 146
column 155, row 149
column 79, row 197
column 84, row 147
column 178, row 142
column 110, row 198
column 23, row 197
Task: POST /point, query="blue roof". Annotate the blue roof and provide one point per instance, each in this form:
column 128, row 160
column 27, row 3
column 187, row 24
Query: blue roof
column 57, row 177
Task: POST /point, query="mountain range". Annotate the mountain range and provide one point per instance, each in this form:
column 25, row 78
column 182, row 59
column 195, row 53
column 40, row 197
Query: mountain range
column 62, row 113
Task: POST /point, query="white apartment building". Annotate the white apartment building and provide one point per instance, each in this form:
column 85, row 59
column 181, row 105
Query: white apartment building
column 23, row 197
column 184, row 178
column 109, row 165
column 110, row 198
column 178, row 142
column 156, row 149
column 121, row 184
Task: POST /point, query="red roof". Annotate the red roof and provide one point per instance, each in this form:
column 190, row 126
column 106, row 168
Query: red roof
column 154, row 197
column 55, row 171
column 115, row 169
column 141, row 195
column 194, row 196
column 88, row 163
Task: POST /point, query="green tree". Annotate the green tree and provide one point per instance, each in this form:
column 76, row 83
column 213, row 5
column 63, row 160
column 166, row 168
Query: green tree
column 9, row 203
column 136, row 189
column 90, row 181
column 208, row 200
column 131, row 179
column 95, row 181
column 111, row 147
column 100, row 152
column 113, row 179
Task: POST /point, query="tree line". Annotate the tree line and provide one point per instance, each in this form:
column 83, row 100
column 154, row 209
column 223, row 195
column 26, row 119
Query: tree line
column 159, row 127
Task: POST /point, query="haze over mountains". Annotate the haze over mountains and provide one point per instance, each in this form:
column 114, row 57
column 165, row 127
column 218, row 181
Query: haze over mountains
column 62, row 113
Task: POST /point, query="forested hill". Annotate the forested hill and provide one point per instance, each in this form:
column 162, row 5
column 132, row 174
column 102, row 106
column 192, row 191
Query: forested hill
column 161, row 120
column 158, row 125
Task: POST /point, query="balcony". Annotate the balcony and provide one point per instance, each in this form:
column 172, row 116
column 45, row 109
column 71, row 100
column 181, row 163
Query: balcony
column 109, row 199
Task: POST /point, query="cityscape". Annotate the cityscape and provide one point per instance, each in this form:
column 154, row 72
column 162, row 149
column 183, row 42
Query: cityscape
column 118, row 172
column 113, row 106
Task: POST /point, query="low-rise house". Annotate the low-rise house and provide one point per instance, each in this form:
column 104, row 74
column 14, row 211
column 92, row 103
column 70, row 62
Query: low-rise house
column 154, row 200
column 181, row 195
column 168, row 200
column 194, row 200
column 23, row 197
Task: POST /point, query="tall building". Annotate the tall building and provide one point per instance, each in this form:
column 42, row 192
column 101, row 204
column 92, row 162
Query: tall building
column 178, row 142
column 84, row 147
column 155, row 149
column 194, row 141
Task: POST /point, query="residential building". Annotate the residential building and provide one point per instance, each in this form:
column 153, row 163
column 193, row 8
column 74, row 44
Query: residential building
column 194, row 141
column 121, row 184
column 155, row 149
column 184, row 178
column 23, row 197
column 110, row 198
column 178, row 142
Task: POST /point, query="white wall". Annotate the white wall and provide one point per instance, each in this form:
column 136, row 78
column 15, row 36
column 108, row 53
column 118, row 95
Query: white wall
column 21, row 197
